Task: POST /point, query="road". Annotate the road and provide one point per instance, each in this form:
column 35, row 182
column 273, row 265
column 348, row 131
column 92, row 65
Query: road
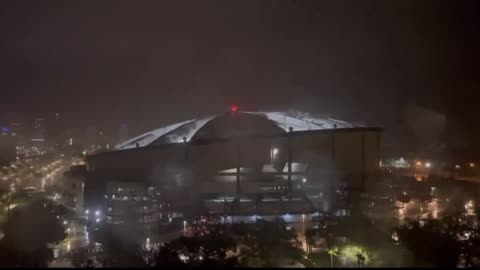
column 78, row 237
column 37, row 174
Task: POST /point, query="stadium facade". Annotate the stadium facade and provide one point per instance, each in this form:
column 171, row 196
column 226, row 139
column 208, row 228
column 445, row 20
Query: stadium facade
column 235, row 164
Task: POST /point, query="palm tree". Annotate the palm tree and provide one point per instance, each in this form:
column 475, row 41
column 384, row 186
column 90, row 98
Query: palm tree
column 310, row 235
column 333, row 252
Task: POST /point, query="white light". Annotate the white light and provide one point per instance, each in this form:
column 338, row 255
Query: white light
column 304, row 180
column 274, row 153
column 65, row 222
column 457, row 166
column 472, row 165
column 98, row 220
column 428, row 164
column 97, row 213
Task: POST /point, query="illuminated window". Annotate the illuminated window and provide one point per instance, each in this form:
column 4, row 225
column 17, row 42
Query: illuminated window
column 274, row 151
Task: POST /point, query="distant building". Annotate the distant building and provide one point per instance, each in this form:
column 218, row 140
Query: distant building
column 8, row 148
column 56, row 131
column 39, row 131
column 16, row 129
column 238, row 163
column 73, row 188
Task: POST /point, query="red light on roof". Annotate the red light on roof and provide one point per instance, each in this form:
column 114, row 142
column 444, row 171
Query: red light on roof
column 234, row 108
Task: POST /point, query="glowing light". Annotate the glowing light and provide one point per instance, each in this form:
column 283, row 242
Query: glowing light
column 428, row 164
column 395, row 236
column 65, row 222
column 457, row 166
column 351, row 252
column 472, row 165
column 98, row 220
column 419, row 163
column 304, row 180
column 234, row 108
column 97, row 213
column 183, row 257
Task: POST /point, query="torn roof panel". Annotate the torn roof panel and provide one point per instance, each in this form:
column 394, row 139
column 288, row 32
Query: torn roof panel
column 176, row 132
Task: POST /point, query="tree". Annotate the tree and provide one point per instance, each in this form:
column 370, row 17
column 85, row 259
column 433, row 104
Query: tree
column 119, row 253
column 333, row 251
column 167, row 257
column 266, row 240
column 82, row 258
column 209, row 245
column 310, row 238
column 429, row 245
column 26, row 241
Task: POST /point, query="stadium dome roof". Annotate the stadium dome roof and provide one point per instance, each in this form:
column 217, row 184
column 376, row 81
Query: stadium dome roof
column 175, row 133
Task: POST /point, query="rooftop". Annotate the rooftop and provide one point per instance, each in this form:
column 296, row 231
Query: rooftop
column 175, row 133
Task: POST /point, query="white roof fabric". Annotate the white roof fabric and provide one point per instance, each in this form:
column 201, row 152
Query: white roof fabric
column 176, row 132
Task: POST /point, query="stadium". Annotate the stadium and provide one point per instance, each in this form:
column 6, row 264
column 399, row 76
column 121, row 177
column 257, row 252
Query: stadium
column 235, row 164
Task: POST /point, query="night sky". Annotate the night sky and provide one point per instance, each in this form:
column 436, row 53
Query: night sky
column 411, row 67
